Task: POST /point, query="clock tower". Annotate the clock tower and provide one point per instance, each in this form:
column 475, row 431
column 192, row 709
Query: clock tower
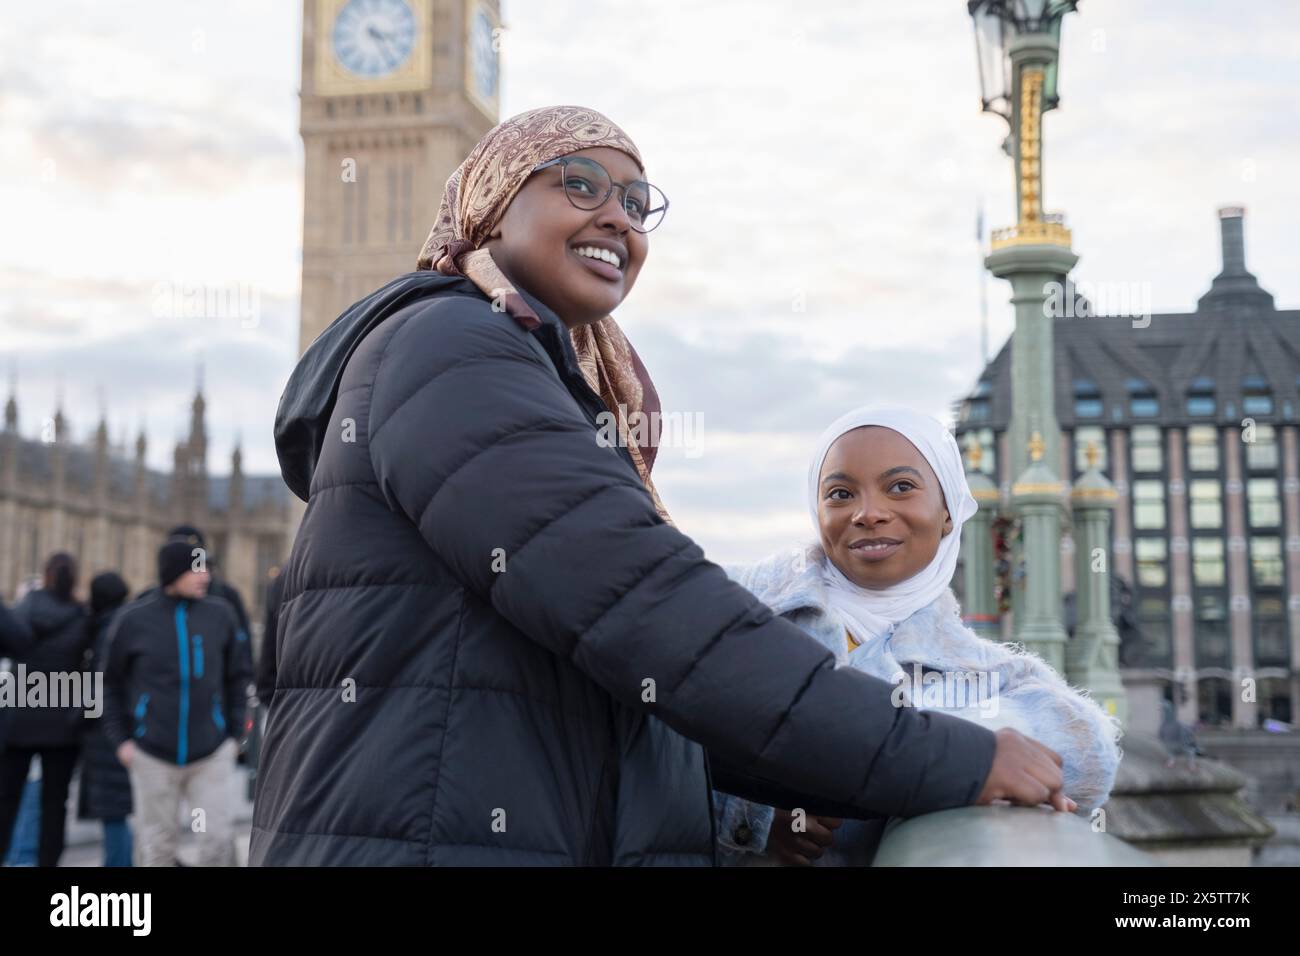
column 395, row 93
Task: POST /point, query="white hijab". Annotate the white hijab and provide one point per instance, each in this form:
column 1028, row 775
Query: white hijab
column 871, row 614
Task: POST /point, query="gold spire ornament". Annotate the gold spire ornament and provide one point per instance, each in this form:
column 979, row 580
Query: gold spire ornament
column 1036, row 446
column 1033, row 227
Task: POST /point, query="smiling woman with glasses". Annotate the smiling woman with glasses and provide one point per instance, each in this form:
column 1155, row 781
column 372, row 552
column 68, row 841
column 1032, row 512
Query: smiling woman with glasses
column 494, row 646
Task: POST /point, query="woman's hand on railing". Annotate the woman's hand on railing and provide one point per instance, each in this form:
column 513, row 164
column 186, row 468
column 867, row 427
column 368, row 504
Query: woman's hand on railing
column 791, row 848
column 1026, row 773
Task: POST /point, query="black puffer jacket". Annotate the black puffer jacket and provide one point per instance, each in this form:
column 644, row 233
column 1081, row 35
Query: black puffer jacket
column 435, row 708
column 60, row 643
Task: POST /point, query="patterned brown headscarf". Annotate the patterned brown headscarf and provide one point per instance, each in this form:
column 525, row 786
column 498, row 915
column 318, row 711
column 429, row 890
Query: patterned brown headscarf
column 476, row 197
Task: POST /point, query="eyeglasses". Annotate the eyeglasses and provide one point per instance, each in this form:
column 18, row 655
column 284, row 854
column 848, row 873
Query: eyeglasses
column 587, row 184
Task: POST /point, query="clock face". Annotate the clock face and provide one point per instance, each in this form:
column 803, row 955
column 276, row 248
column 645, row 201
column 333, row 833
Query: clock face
column 483, row 56
column 372, row 38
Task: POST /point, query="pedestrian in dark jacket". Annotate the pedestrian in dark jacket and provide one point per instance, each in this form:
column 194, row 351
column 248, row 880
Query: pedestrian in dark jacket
column 105, row 790
column 218, row 587
column 175, row 692
column 49, row 727
column 15, row 639
column 494, row 647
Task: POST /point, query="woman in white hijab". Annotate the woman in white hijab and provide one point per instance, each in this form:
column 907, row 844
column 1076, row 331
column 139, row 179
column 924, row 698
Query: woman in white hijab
column 888, row 496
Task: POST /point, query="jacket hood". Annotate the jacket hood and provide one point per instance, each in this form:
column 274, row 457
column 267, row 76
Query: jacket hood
column 308, row 399
column 46, row 613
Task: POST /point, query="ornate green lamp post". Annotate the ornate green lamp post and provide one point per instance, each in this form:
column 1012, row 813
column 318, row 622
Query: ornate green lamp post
column 1092, row 660
column 979, row 604
column 1017, row 45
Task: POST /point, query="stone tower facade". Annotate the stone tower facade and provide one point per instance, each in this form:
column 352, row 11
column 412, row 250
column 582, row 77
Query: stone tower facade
column 394, row 94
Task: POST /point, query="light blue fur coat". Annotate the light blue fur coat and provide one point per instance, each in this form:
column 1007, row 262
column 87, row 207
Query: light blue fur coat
column 1014, row 688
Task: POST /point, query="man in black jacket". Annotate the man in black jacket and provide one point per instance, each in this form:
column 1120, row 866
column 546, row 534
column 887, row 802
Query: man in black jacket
column 175, row 693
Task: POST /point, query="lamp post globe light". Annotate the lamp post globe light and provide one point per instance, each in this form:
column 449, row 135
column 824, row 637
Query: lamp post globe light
column 1017, row 47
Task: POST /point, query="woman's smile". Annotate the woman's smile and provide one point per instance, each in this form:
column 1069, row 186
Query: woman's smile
column 875, row 549
column 604, row 257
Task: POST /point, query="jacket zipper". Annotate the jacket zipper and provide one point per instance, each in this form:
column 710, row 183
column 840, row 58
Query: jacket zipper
column 182, row 642
column 141, row 708
column 708, row 801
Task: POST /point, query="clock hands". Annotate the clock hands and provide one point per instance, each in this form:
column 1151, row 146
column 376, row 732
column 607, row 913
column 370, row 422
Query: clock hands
column 385, row 40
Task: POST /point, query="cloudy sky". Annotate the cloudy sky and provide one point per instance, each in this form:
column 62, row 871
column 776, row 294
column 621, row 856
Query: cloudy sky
column 825, row 163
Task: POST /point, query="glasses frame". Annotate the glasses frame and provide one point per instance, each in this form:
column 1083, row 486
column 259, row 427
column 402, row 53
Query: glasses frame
column 564, row 161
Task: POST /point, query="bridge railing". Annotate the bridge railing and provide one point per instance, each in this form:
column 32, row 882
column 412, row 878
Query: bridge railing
column 1004, row 836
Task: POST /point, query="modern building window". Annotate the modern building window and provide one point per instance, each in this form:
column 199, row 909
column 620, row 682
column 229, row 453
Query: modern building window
column 1272, row 646
column 1274, row 700
column 1148, row 452
column 1096, row 436
column 1203, row 448
column 1142, row 400
column 1264, row 507
column 1087, row 399
column 976, row 407
column 1153, row 619
column 1211, row 630
column 1256, row 396
column 1207, row 562
column 1266, row 561
column 1261, row 450
column 1214, row 701
column 1200, row 398
column 1257, row 404
column 1207, row 504
column 1152, row 562
column 1148, row 505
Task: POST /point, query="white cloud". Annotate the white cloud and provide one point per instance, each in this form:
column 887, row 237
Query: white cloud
column 824, row 163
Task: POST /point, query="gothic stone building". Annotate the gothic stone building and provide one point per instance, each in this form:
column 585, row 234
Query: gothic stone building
column 112, row 512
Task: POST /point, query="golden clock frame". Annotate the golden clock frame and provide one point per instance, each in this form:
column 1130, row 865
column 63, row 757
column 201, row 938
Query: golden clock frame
column 490, row 107
column 333, row 79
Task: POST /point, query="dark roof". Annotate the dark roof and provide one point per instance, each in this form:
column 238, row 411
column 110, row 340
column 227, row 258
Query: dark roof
column 1235, row 343
column 36, row 461
column 259, row 490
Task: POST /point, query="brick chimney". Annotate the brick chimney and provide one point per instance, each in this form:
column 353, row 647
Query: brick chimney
column 1234, row 287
